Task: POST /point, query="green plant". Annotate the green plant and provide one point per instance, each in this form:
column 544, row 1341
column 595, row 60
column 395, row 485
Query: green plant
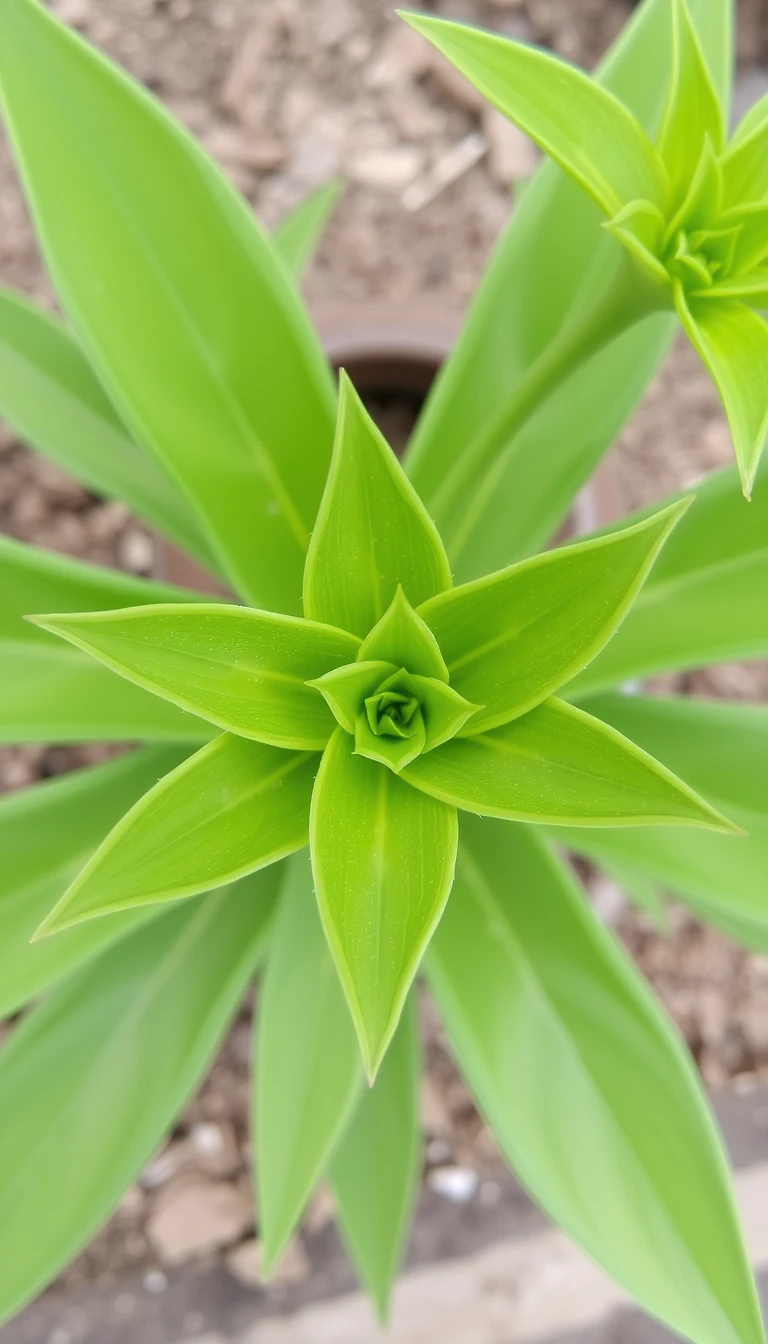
column 373, row 687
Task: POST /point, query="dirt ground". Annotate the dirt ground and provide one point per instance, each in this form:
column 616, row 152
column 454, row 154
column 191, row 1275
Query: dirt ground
column 285, row 102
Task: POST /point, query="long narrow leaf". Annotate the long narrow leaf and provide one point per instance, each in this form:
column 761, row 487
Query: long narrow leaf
column 299, row 233
column 693, row 110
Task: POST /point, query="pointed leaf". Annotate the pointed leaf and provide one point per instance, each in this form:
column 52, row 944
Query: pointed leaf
column 244, row 670
column 402, row 637
column 745, row 172
column 589, row 133
column 92, row 1080
column 514, row 638
column 308, row 1076
column 50, row 692
column 51, row 398
column 372, row 532
column 197, row 335
column 375, row 1169
column 346, row 689
column 693, row 109
column 559, row 765
column 72, row 815
column 733, row 343
column 232, row 808
column 587, row 1089
column 299, row 233
column 383, row 857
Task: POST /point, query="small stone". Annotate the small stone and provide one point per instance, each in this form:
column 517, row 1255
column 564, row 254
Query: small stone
column 155, row 1282
column 167, row 1164
column 387, row 169
column 195, row 1216
column 74, row 12
column 457, row 1184
column 136, row 552
column 215, row 1148
column 511, row 155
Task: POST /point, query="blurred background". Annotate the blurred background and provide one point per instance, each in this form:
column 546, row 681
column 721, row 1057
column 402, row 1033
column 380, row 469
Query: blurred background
column 288, row 94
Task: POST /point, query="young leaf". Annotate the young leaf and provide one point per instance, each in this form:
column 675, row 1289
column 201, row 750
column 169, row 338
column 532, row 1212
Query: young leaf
column 232, row 808
column 383, row 856
column 50, row 692
column 589, row 133
column 346, row 689
column 693, row 109
column 198, row 337
column 52, row 399
column 403, row 638
column 375, row 1169
column 307, row 1075
column 512, row 639
column 372, row 533
column 559, row 765
column 298, row 234
column 733, row 342
column 244, row 670
column 589, row 1092
column 72, row 814
column 93, row 1079
column 704, row 600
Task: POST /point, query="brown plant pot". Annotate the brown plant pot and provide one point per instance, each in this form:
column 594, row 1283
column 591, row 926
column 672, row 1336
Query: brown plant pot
column 393, row 350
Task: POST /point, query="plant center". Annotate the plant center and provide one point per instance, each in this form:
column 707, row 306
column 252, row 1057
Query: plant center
column 393, row 714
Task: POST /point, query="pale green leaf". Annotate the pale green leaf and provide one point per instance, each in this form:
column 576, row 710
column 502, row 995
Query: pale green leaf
column 195, row 331
column 403, row 638
column 50, row 396
column 51, row 692
column 587, row 1089
column 745, row 169
column 383, row 856
column 375, row 1169
column 308, row 1075
column 346, row 689
column 232, row 808
column 243, row 670
column 47, row 833
column 584, row 128
column 298, row 234
column 512, row 639
column 557, row 764
column 693, row 110
column 732, row 340
column 92, row 1080
column 372, row 533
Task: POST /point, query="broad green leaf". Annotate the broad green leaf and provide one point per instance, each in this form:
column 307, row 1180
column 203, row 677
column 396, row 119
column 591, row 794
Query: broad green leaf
column 372, row 533
column 553, row 258
column 232, row 808
column 559, row 765
column 732, row 340
column 383, row 856
column 244, row 670
column 47, row 833
column 693, row 109
column 587, row 1089
column 298, row 234
column 375, row 1169
column 704, row 601
column 403, row 638
column 195, row 331
column 308, row 1075
column 92, row 1080
column 52, row 399
column 512, row 639
column 584, row 128
column 721, row 749
column 51, row 692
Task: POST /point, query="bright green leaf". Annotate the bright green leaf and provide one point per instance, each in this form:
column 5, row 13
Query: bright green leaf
column 92, row 1080
column 298, row 234
column 693, row 109
column 589, row 1092
column 383, row 857
column 559, row 765
column 589, row 133
column 51, row 692
column 308, row 1075
column 375, row 1169
column 232, row 808
column 72, row 815
column 197, row 335
column 733, row 342
column 403, row 638
column 512, row 639
column 345, row 689
column 745, row 171
column 372, row 533
column 244, row 670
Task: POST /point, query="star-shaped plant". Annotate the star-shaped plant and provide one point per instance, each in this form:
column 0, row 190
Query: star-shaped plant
column 691, row 209
column 424, row 699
